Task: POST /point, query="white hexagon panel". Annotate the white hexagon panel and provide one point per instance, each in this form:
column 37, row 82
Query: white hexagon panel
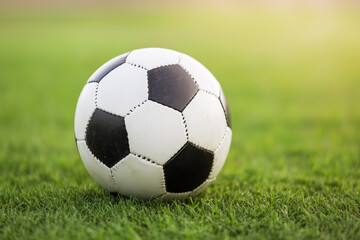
column 205, row 120
column 138, row 177
column 155, row 131
column 122, row 89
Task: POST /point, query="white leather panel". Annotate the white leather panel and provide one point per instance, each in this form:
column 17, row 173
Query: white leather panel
column 137, row 177
column 106, row 67
column 205, row 121
column 155, row 131
column 122, row 89
column 221, row 154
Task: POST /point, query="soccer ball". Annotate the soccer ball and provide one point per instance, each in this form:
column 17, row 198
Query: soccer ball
column 153, row 123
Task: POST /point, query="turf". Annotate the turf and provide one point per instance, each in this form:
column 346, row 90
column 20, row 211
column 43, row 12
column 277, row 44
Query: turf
column 292, row 83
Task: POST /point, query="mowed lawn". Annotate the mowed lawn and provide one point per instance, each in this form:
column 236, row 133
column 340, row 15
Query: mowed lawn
column 292, row 79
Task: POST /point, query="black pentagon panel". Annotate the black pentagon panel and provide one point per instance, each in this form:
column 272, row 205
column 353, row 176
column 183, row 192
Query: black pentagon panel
column 106, row 137
column 226, row 108
column 171, row 86
column 187, row 169
column 109, row 66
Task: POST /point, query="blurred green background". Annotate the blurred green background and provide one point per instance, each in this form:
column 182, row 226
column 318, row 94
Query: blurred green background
column 291, row 74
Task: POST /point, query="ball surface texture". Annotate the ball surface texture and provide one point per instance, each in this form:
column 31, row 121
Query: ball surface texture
column 153, row 123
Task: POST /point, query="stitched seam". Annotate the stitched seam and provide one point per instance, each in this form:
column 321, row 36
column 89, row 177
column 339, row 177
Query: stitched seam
column 165, row 65
column 137, row 65
column 145, row 159
column 127, row 114
column 178, row 62
column 93, row 154
column 202, row 148
column 222, row 140
column 96, row 94
column 191, row 99
column 92, row 81
column 197, row 82
column 217, row 148
column 190, row 192
column 210, row 93
column 112, row 179
column 186, row 127
column 154, row 101
column 189, row 74
column 147, row 84
column 114, row 114
column 128, row 53
column 223, row 106
column 180, row 56
column 182, row 193
column 111, row 175
column 87, row 123
column 161, row 195
column 136, row 107
column 163, row 182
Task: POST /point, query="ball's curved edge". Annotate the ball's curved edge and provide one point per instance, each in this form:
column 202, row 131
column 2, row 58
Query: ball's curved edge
column 108, row 67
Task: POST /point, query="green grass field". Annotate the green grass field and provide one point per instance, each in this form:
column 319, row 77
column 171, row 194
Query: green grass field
column 292, row 80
